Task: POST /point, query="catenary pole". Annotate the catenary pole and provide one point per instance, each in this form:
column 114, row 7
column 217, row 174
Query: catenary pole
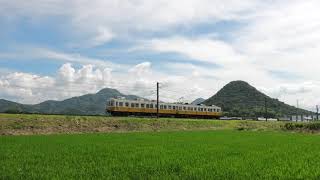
column 297, row 110
column 317, row 107
column 266, row 108
column 157, row 99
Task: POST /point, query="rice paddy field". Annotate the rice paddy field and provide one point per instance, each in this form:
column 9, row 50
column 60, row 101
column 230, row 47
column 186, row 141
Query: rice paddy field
column 98, row 147
column 195, row 154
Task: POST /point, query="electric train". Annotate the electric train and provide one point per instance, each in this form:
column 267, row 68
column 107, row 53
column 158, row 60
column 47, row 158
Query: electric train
column 141, row 107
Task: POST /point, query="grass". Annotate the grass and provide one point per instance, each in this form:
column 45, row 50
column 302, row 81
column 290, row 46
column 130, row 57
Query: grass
column 221, row 154
column 21, row 124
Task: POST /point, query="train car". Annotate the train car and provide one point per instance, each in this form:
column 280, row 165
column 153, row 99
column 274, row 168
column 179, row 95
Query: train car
column 125, row 107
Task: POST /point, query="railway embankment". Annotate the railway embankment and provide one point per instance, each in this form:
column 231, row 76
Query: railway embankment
column 28, row 124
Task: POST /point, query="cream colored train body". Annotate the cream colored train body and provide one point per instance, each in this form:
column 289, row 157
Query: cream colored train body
column 125, row 107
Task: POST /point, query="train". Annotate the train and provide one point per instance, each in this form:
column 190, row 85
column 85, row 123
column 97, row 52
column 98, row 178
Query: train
column 142, row 107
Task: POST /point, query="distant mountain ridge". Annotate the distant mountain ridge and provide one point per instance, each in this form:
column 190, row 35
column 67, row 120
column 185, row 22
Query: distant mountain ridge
column 89, row 104
column 198, row 101
column 238, row 98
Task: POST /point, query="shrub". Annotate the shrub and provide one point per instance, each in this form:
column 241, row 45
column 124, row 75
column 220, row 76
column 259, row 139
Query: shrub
column 313, row 126
column 302, row 126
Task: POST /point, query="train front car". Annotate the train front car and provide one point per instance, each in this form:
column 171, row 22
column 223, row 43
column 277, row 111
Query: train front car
column 141, row 107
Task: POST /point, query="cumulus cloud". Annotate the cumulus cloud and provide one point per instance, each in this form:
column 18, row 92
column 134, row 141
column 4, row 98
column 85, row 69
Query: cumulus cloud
column 31, row 88
column 139, row 79
column 19, row 86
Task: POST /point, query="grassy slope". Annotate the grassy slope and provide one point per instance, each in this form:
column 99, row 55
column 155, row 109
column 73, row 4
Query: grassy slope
column 16, row 124
column 163, row 155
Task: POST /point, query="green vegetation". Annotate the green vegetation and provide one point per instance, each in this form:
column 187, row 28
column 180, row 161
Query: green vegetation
column 238, row 98
column 15, row 124
column 313, row 127
column 162, row 155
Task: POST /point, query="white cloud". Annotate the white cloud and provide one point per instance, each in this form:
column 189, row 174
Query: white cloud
column 25, row 87
column 138, row 80
column 201, row 49
column 115, row 18
column 67, row 72
column 142, row 69
column 40, row 54
column 103, row 35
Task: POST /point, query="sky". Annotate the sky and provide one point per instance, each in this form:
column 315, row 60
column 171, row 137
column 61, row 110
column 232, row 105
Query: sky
column 56, row 49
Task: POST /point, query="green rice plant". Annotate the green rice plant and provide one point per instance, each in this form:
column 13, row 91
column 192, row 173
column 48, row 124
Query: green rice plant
column 226, row 154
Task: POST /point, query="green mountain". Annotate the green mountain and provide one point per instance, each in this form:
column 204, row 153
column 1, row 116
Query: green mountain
column 89, row 104
column 8, row 106
column 198, row 101
column 238, row 98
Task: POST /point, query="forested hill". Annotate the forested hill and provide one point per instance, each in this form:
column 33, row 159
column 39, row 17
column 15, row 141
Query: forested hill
column 89, row 104
column 238, row 98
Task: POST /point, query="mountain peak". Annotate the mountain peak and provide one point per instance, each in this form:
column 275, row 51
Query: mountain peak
column 108, row 91
column 239, row 84
column 239, row 98
column 198, row 101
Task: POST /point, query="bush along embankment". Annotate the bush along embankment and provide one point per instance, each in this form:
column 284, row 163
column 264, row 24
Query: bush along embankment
column 307, row 127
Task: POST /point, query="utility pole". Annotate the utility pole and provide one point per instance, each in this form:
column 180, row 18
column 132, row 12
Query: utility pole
column 265, row 108
column 297, row 110
column 317, row 113
column 157, row 99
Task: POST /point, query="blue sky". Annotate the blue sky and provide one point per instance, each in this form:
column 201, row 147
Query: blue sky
column 56, row 49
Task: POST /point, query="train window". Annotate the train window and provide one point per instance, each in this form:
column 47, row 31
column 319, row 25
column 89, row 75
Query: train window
column 116, row 104
column 120, row 104
column 195, row 109
column 169, row 107
column 173, row 107
column 137, row 105
column 180, row 108
column 161, row 106
column 184, row 108
column 201, row 109
column 164, row 106
column 214, row 110
column 218, row 110
column 132, row 105
column 112, row 103
column 205, row 109
column 142, row 105
column 127, row 104
column 151, row 105
column 147, row 105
